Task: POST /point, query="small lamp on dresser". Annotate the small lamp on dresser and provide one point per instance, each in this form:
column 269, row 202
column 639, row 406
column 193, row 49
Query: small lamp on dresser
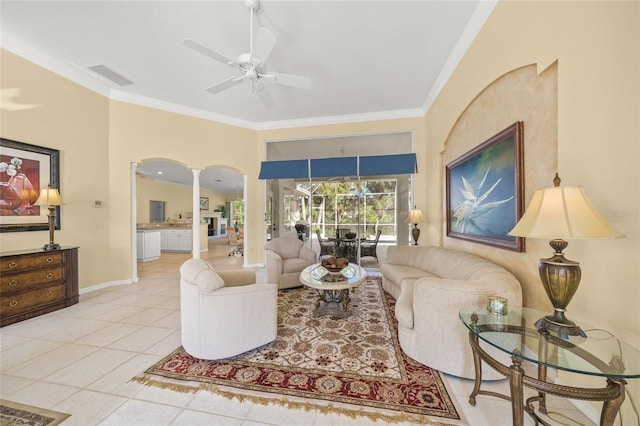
column 50, row 197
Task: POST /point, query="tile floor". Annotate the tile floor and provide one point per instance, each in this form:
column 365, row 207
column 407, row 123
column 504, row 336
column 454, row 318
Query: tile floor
column 79, row 361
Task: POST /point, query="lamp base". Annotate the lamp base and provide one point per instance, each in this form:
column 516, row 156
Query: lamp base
column 51, row 246
column 415, row 233
column 559, row 324
column 560, row 278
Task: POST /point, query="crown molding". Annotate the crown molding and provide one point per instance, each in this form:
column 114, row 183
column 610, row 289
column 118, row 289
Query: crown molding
column 135, row 99
column 341, row 119
column 79, row 75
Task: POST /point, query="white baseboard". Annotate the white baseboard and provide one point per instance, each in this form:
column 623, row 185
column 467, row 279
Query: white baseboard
column 105, row 285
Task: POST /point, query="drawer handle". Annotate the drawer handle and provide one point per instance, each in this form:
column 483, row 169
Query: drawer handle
column 49, row 294
column 13, row 264
column 49, row 259
column 13, row 303
column 50, row 275
column 13, row 283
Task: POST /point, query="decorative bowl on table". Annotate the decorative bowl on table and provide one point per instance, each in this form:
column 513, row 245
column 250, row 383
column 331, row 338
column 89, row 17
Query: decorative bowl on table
column 335, row 265
column 350, row 235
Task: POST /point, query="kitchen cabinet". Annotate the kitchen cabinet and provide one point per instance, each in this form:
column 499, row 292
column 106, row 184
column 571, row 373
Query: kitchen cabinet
column 148, row 245
column 176, row 240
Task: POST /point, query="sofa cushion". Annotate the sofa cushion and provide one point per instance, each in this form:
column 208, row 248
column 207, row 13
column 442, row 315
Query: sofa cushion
column 199, row 273
column 404, row 304
column 399, row 273
column 294, row 265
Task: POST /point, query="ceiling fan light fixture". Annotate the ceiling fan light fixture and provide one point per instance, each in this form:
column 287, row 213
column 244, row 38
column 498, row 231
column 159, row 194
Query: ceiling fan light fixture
column 251, row 65
column 252, row 75
column 253, row 4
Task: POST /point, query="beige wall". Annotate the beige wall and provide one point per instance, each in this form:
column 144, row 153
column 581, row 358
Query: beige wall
column 597, row 48
column 75, row 121
column 179, row 198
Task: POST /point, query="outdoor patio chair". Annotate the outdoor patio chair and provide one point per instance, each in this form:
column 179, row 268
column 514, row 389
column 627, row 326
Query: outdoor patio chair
column 301, row 230
column 369, row 248
column 327, row 247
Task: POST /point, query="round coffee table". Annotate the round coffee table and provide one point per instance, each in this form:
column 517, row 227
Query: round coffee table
column 333, row 288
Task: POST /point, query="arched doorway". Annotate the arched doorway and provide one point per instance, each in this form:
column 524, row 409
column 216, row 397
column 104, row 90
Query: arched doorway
column 188, row 196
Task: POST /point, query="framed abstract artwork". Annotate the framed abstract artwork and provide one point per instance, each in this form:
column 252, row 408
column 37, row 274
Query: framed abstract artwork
column 485, row 191
column 24, row 170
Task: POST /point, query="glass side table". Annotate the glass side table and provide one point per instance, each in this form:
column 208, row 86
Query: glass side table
column 600, row 354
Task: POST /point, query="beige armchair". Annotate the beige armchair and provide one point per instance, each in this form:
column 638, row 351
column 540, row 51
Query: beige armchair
column 286, row 258
column 224, row 313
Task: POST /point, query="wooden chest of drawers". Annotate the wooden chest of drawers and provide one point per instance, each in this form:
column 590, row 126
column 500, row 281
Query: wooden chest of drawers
column 34, row 282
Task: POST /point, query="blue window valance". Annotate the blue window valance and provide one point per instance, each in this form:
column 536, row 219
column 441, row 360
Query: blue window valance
column 331, row 167
column 288, row 169
column 398, row 164
column 373, row 165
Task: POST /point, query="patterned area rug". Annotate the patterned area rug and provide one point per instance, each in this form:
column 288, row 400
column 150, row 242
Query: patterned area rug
column 353, row 366
column 14, row 414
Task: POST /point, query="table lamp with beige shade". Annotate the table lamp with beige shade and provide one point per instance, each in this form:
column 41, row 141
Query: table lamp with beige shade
column 50, row 197
column 560, row 213
column 415, row 216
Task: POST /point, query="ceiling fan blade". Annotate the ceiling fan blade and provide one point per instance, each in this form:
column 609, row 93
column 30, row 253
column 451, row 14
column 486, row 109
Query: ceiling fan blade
column 225, row 84
column 191, row 44
column 263, row 44
column 289, row 80
column 264, row 96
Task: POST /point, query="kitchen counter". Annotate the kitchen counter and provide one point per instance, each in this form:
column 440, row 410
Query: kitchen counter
column 163, row 225
column 175, row 236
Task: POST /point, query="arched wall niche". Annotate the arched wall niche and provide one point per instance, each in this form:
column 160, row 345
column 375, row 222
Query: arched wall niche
column 524, row 95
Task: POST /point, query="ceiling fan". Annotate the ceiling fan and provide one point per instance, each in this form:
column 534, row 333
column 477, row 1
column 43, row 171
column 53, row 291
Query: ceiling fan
column 252, row 65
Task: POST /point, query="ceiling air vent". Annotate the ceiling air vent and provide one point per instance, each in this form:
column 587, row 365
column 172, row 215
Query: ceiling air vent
column 110, row 75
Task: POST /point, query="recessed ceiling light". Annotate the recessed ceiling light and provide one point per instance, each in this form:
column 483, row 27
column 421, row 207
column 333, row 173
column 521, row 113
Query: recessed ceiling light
column 159, row 173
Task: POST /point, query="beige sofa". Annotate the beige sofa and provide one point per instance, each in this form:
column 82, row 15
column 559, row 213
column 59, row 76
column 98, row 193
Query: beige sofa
column 431, row 284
